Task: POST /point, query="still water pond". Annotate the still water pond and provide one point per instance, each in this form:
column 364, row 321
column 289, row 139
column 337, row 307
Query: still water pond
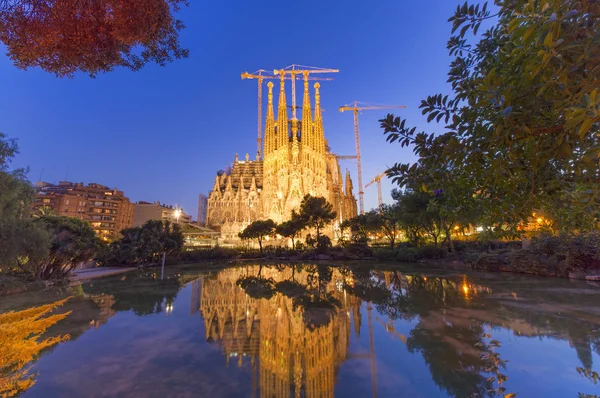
column 309, row 331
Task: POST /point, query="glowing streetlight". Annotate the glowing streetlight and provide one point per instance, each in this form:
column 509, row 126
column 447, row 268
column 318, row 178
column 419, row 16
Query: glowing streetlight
column 177, row 214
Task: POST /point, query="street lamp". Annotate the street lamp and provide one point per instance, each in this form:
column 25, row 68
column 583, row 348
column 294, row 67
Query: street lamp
column 176, row 214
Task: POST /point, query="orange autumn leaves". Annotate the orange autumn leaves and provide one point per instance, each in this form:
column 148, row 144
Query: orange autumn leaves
column 20, row 344
column 65, row 36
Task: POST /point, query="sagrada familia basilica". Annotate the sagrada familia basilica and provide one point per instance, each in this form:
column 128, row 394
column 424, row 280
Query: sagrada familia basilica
column 296, row 161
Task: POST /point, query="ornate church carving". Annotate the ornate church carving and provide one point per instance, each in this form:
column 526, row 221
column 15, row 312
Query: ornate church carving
column 296, row 162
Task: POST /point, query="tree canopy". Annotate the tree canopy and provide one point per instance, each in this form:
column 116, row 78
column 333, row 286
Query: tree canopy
column 317, row 213
column 94, row 36
column 292, row 227
column 143, row 244
column 23, row 244
column 259, row 230
column 523, row 118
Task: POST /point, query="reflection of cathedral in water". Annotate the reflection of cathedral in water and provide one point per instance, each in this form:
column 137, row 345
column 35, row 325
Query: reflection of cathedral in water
column 292, row 358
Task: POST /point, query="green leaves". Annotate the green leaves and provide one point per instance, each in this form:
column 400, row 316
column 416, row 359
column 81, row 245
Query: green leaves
column 522, row 122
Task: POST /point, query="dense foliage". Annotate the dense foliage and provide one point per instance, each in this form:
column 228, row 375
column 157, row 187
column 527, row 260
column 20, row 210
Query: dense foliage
column 317, row 213
column 66, row 36
column 259, row 230
column 144, row 244
column 522, row 121
column 291, row 228
column 73, row 241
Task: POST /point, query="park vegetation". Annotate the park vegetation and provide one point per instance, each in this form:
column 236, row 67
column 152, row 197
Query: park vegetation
column 44, row 247
column 315, row 213
column 517, row 158
column 521, row 124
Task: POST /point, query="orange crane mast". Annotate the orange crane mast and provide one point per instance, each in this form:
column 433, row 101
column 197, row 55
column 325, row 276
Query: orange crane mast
column 377, row 179
column 261, row 75
column 356, row 107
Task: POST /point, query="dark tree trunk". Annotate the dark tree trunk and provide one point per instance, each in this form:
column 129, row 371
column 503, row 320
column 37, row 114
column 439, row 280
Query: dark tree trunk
column 260, row 244
column 451, row 242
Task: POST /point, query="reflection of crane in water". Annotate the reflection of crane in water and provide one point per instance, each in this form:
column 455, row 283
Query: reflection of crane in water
column 371, row 354
column 389, row 327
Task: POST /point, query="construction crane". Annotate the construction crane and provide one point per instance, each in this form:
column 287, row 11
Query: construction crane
column 377, row 179
column 344, row 157
column 355, row 107
column 295, row 70
column 261, row 75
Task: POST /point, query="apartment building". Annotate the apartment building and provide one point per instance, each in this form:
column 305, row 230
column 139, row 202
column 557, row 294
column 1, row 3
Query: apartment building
column 145, row 211
column 108, row 210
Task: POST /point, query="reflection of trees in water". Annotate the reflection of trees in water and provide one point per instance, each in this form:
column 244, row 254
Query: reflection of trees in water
column 141, row 293
column 318, row 306
column 20, row 344
column 295, row 338
column 454, row 317
column 455, row 352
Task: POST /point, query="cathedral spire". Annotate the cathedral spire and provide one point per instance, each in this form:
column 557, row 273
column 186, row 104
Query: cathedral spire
column 318, row 132
column 270, row 124
column 217, row 187
column 282, row 117
column 348, row 184
column 307, row 134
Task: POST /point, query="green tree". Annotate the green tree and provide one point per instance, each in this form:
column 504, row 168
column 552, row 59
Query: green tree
column 416, row 216
column 66, row 36
column 523, row 118
column 390, row 216
column 144, row 244
column 361, row 225
column 23, row 244
column 291, row 228
column 259, row 230
column 73, row 242
column 317, row 212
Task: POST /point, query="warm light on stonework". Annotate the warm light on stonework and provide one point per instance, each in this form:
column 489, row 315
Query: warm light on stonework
column 295, row 161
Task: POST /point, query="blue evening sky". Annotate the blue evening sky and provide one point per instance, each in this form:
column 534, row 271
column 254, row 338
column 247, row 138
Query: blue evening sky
column 162, row 133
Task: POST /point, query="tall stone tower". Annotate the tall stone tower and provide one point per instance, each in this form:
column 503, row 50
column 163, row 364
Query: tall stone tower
column 296, row 162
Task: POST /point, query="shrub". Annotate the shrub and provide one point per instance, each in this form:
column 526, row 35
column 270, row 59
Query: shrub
column 323, row 243
column 385, row 253
column 213, row 253
column 408, row 254
column 432, row 252
column 360, row 250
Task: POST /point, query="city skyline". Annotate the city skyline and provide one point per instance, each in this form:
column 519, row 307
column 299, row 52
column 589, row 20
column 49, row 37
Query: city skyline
column 162, row 133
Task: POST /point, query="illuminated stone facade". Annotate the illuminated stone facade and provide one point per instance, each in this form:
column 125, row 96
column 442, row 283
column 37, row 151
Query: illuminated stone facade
column 297, row 162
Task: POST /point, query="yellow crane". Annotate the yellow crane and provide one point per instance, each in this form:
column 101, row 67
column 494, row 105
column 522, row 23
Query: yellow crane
column 377, row 179
column 295, row 70
column 356, row 107
column 261, row 75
